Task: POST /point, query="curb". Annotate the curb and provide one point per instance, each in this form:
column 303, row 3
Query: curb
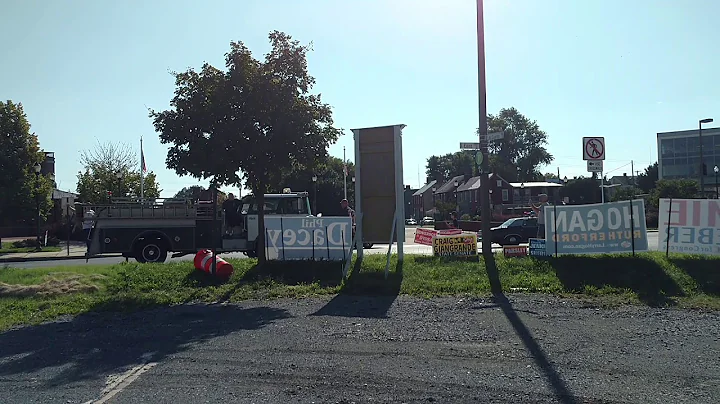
column 62, row 258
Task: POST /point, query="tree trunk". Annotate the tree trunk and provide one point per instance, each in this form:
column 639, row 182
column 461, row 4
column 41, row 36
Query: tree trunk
column 260, row 244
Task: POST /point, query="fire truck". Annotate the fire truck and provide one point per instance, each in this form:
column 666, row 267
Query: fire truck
column 147, row 230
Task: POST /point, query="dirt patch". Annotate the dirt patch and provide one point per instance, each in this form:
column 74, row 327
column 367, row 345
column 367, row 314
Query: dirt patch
column 53, row 286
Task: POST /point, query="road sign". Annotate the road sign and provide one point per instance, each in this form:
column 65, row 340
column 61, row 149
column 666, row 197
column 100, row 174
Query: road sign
column 495, row 136
column 593, row 148
column 479, row 158
column 595, row 166
column 469, row 146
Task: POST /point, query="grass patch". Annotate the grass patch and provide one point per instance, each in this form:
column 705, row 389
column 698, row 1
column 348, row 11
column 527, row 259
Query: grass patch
column 14, row 248
column 30, row 296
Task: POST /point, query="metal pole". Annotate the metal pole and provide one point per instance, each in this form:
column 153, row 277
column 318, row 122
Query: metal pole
column 602, row 187
column 344, row 174
column 667, row 237
column 488, row 256
column 67, row 215
column 142, row 173
column 632, row 218
column 702, row 179
column 37, row 208
column 215, row 232
column 717, row 193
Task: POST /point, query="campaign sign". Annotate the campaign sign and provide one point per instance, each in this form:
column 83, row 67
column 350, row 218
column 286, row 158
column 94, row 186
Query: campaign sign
column 457, row 245
column 690, row 226
column 596, row 229
column 424, row 236
column 515, row 251
column 308, row 238
column 536, row 247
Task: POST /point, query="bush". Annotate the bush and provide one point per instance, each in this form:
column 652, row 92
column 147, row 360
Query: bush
column 477, row 218
column 651, row 219
column 465, row 217
column 32, row 243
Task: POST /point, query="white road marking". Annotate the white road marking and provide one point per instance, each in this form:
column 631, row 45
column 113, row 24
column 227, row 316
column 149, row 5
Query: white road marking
column 120, row 382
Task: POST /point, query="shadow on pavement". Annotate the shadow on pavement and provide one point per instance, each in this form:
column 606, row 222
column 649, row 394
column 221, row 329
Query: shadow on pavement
column 365, row 294
column 94, row 345
column 562, row 392
column 640, row 274
column 704, row 271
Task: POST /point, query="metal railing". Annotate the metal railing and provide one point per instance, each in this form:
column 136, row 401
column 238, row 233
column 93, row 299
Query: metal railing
column 167, row 208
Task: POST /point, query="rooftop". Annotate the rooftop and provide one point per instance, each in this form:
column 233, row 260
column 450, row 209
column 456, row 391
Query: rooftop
column 424, row 188
column 539, row 184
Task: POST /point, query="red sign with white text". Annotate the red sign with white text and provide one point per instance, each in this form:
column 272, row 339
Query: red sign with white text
column 690, row 226
column 424, row 236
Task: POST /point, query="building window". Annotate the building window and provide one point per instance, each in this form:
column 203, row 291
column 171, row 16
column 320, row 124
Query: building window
column 666, row 148
column 505, row 195
column 680, row 147
column 499, row 183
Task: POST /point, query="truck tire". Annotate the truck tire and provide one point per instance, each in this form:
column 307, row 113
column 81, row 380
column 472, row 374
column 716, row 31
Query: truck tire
column 367, row 246
column 251, row 253
column 151, row 251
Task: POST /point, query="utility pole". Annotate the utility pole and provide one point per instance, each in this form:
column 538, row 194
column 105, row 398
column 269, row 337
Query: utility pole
column 488, row 256
column 344, row 175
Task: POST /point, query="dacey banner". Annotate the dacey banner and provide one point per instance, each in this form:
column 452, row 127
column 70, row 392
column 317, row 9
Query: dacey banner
column 308, row 238
column 596, row 229
column 690, row 226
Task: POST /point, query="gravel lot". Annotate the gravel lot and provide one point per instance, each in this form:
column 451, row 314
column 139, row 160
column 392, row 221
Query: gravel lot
column 531, row 349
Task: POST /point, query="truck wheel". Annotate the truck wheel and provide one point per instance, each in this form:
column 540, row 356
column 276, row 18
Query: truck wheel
column 367, row 246
column 251, row 253
column 151, row 251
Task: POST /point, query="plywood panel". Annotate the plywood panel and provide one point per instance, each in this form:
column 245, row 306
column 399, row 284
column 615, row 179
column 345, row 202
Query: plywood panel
column 377, row 170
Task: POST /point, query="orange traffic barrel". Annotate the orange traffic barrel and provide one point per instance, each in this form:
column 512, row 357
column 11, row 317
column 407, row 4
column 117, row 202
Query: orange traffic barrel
column 203, row 262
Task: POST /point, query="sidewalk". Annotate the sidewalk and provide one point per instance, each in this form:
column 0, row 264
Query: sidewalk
column 77, row 251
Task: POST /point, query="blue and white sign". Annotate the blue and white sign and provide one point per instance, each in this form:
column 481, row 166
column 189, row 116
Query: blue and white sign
column 596, row 229
column 537, row 247
column 690, row 226
column 308, row 238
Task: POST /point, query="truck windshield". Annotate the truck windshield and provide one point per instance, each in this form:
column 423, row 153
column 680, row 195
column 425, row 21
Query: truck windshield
column 279, row 206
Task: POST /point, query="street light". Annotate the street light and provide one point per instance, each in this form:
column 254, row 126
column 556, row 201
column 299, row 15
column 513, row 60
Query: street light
column 37, row 168
column 314, row 180
column 702, row 163
column 716, row 170
column 119, row 176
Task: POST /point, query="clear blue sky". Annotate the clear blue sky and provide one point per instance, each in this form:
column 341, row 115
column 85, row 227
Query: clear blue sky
column 86, row 70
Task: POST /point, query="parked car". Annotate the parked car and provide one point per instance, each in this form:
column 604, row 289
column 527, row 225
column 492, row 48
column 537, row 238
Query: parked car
column 411, row 222
column 515, row 231
column 427, row 220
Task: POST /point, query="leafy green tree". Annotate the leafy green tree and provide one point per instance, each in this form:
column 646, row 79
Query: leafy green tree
column 522, row 150
column 625, row 193
column 646, row 180
column 191, row 192
column 329, row 173
column 673, row 189
column 252, row 122
column 582, row 190
column 517, row 157
column 20, row 152
column 115, row 168
column 443, row 168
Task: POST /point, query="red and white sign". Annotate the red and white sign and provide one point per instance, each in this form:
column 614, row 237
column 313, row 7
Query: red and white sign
column 689, row 226
column 424, row 236
column 515, row 251
column 593, row 148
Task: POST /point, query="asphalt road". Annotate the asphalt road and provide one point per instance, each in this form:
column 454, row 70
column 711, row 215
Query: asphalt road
column 369, row 350
column 410, row 248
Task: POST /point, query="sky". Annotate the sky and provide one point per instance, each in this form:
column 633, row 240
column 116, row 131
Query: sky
column 87, row 71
